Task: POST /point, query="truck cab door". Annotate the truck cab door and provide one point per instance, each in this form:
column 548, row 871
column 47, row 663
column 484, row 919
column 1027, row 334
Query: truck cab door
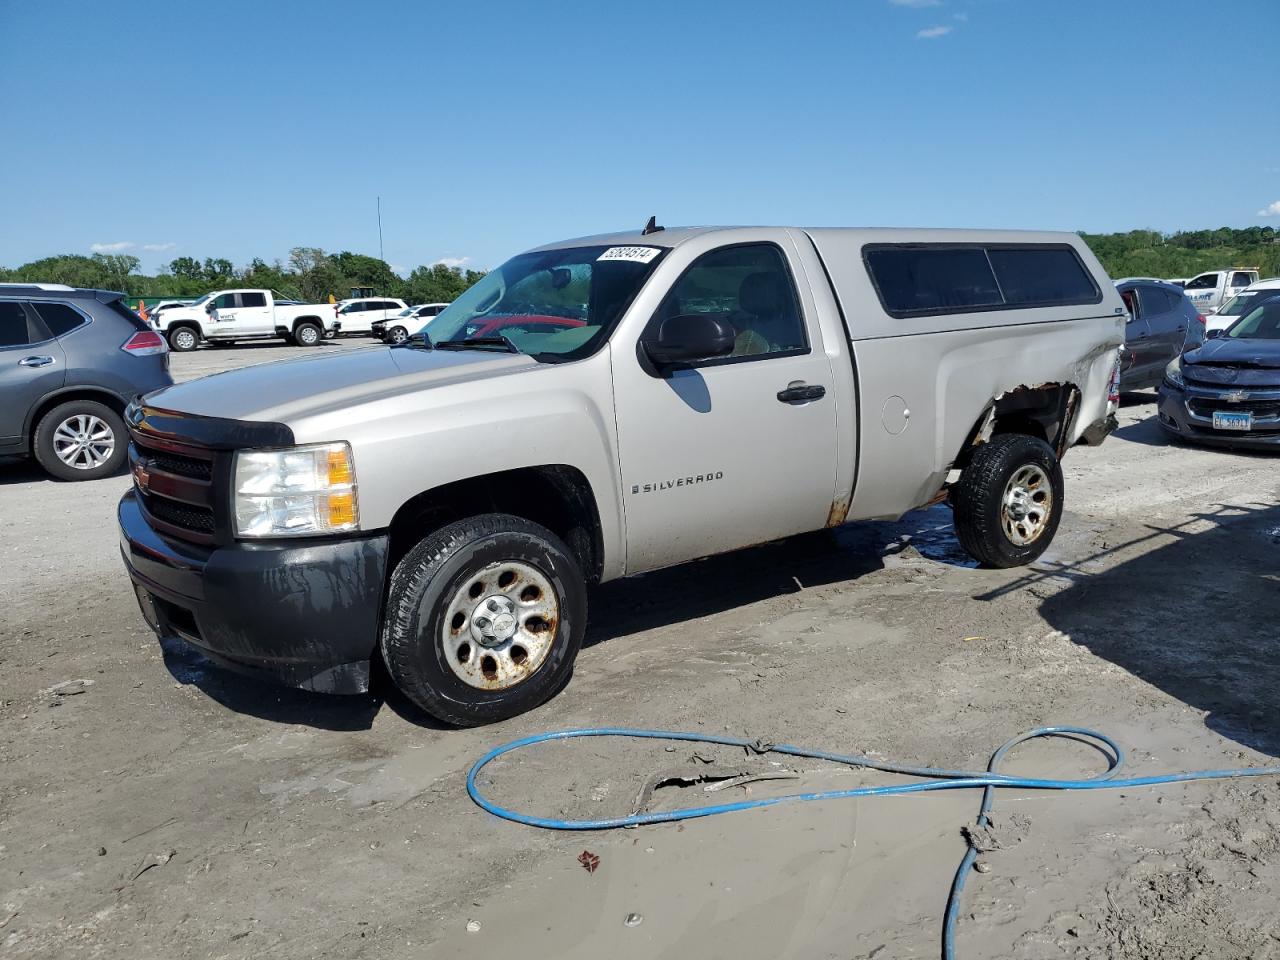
column 1204, row 291
column 736, row 450
column 254, row 314
column 222, row 317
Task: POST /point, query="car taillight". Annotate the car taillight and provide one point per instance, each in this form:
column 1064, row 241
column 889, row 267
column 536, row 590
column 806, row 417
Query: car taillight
column 1113, row 388
column 1200, row 317
column 145, row 343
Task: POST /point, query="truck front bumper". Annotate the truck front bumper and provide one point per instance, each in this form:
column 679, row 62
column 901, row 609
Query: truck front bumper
column 305, row 614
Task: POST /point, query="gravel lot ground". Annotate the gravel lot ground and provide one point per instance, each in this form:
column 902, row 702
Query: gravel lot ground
column 161, row 808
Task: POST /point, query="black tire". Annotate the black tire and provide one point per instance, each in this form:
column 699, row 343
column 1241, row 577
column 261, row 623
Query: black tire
column 986, row 530
column 396, row 334
column 436, row 572
column 43, row 445
column 308, row 334
column 183, row 339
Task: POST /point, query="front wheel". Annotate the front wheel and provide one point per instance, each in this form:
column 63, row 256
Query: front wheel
column 1008, row 501
column 183, row 339
column 307, row 334
column 484, row 619
column 397, row 335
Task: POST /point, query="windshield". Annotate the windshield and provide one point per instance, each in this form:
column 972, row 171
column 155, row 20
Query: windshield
column 552, row 305
column 406, row 312
column 1262, row 323
column 1237, row 305
column 202, row 300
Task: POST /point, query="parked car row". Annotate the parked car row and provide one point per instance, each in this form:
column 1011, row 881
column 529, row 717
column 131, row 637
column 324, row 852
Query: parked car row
column 224, row 317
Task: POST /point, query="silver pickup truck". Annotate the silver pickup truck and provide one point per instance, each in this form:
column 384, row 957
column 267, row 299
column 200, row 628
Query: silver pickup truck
column 599, row 408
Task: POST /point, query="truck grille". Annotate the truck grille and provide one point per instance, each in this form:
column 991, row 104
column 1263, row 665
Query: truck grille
column 175, row 485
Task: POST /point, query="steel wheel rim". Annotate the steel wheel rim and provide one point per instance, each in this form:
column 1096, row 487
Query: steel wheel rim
column 308, row 336
column 500, row 625
column 185, row 338
column 1026, row 505
column 83, row 441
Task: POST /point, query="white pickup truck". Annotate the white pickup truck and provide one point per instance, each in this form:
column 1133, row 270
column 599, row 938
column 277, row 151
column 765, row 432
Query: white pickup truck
column 1210, row 290
column 225, row 316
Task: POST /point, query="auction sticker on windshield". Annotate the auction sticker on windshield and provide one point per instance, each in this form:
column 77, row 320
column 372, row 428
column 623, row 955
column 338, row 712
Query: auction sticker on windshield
column 630, row 254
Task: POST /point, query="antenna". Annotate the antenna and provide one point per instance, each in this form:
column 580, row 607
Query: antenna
column 651, row 227
column 380, row 256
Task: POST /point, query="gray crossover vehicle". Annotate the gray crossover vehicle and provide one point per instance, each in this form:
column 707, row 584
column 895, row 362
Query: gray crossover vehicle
column 1162, row 322
column 70, row 361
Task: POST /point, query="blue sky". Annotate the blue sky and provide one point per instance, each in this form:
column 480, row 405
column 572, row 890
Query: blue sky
column 236, row 129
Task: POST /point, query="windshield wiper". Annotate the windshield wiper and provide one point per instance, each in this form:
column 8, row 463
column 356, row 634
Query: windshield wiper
column 415, row 341
column 479, row 343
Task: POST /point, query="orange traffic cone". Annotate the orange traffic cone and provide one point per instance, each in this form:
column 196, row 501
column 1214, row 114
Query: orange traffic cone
column 142, row 310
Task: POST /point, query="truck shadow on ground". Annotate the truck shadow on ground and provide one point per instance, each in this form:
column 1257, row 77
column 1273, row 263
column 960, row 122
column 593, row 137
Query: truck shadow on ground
column 258, row 698
column 1196, row 614
column 733, row 580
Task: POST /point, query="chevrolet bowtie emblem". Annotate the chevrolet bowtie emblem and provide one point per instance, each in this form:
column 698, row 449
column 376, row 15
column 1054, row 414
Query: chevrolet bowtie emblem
column 1235, row 396
column 140, row 475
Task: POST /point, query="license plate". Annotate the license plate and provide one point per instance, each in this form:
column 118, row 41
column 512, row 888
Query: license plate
column 1232, row 421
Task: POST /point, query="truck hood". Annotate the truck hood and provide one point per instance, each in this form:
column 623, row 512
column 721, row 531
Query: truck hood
column 289, row 389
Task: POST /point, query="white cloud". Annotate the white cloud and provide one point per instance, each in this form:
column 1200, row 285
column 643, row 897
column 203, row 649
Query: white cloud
column 158, row 247
column 453, row 261
column 1272, row 210
column 916, row 3
column 116, row 247
column 932, row 33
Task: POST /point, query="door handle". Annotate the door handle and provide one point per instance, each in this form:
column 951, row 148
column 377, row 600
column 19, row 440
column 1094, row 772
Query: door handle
column 35, row 361
column 800, row 392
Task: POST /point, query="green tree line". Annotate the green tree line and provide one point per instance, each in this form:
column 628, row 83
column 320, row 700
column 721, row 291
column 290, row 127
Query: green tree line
column 309, row 274
column 314, row 275
column 1146, row 253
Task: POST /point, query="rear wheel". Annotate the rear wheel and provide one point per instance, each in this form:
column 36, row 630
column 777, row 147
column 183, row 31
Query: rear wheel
column 183, row 339
column 80, row 440
column 1008, row 502
column 484, row 619
column 307, row 334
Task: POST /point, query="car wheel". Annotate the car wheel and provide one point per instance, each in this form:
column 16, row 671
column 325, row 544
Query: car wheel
column 183, row 339
column 397, row 335
column 1008, row 501
column 484, row 619
column 81, row 440
column 307, row 334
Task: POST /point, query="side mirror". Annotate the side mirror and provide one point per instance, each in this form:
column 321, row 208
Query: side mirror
column 689, row 338
column 1214, row 334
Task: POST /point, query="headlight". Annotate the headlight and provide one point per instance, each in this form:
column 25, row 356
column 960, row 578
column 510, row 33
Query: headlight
column 1173, row 372
column 299, row 492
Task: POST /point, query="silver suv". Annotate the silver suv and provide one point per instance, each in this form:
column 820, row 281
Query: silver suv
column 70, row 361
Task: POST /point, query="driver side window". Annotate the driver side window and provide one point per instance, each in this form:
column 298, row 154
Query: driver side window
column 750, row 286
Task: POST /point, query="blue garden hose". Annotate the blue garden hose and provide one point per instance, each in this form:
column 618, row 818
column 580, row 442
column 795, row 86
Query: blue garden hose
column 934, row 779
